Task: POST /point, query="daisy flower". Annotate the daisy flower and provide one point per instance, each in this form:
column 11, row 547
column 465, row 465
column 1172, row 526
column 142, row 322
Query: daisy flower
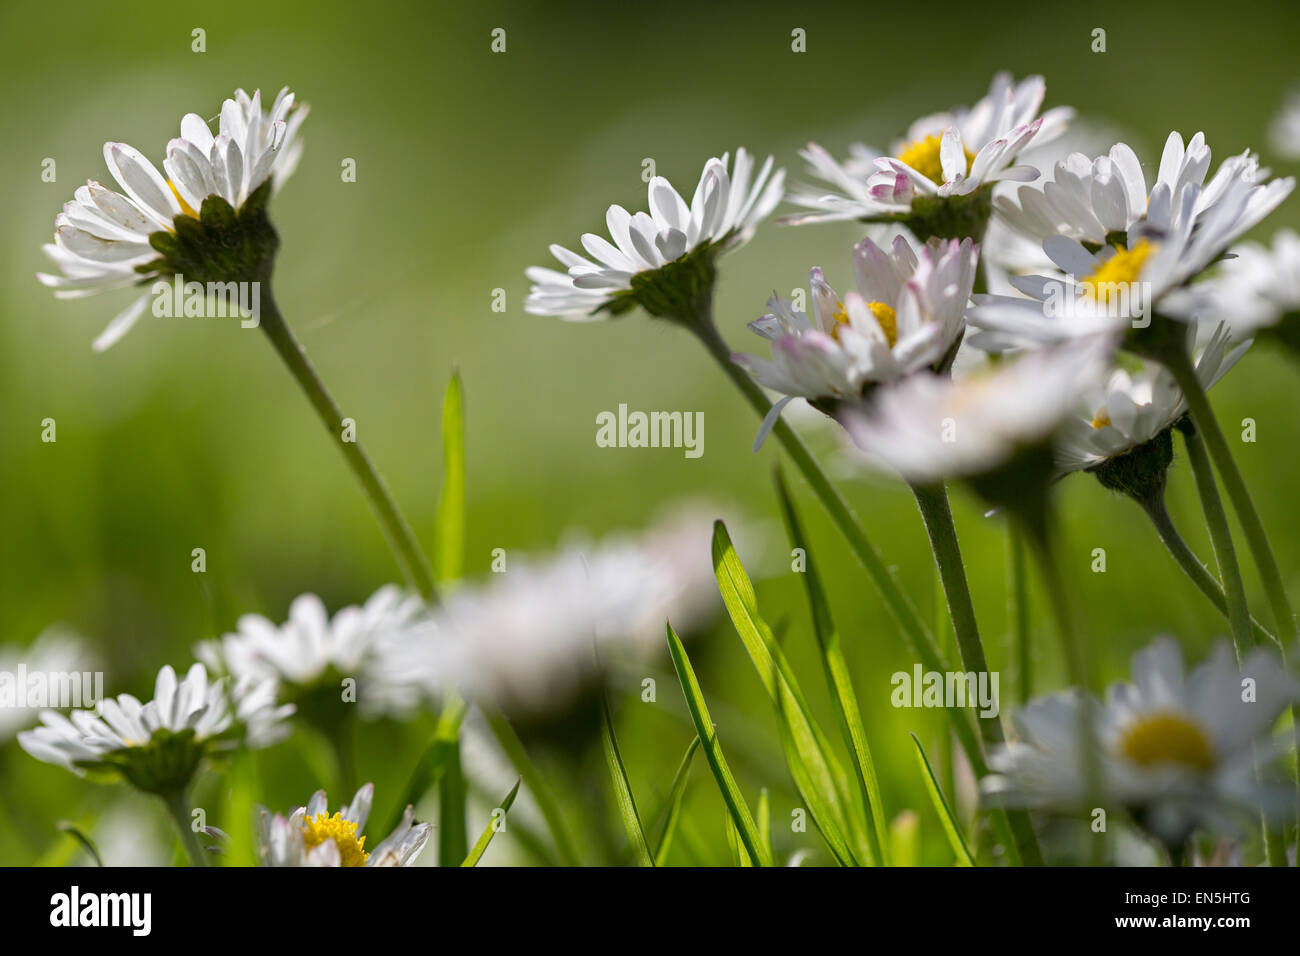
column 1256, row 288
column 208, row 198
column 1134, row 408
column 906, row 314
column 1118, row 286
column 1105, row 200
column 1284, row 133
column 945, row 156
column 1177, row 749
column 524, row 640
column 661, row 260
column 55, row 651
column 308, row 657
column 157, row 747
column 312, row 836
column 929, row 428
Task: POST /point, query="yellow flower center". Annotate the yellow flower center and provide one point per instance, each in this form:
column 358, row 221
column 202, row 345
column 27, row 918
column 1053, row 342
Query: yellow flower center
column 185, row 207
column 885, row 315
column 1119, row 271
column 1164, row 738
column 1101, row 419
column 923, row 156
column 344, row 834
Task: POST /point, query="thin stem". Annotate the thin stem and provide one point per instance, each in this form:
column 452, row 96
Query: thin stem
column 1179, row 364
column 914, row 628
column 1225, row 553
column 1018, row 607
column 936, row 513
column 1038, row 530
column 1191, row 565
column 178, row 809
column 400, row 537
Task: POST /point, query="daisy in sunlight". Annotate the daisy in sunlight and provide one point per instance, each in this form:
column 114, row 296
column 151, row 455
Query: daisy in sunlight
column 663, row 259
column 1178, row 749
column 105, row 239
column 904, row 315
column 312, row 836
column 942, row 172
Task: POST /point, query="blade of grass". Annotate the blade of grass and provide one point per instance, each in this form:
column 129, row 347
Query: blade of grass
column 244, row 788
column 449, row 529
column 74, row 831
column 731, row 795
column 623, row 789
column 541, row 790
column 495, row 824
column 674, row 808
column 845, row 701
column 946, row 817
column 905, row 839
column 434, row 761
column 821, row 781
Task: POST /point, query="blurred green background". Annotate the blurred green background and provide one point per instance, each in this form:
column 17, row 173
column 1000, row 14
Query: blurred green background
column 190, row 434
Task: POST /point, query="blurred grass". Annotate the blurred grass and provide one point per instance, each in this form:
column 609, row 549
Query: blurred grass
column 190, row 435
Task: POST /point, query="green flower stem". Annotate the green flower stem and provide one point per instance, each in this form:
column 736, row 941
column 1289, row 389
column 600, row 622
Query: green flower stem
column 178, row 809
column 1018, row 611
column 936, row 513
column 1179, row 363
column 914, row 628
column 1235, row 590
column 400, row 537
column 1038, row 527
column 1186, row 559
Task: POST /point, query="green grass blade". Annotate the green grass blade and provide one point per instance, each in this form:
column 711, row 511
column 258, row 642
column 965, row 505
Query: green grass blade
column 950, row 826
column 537, row 784
column 673, row 810
column 242, row 822
column 817, row 774
column 434, row 761
column 905, row 839
column 449, row 530
column 623, row 789
column 74, row 831
column 495, row 824
column 845, row 701
column 453, row 831
column 731, row 795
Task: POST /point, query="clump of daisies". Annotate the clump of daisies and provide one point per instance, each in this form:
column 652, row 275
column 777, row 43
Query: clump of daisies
column 1177, row 749
column 203, row 216
column 158, row 746
column 939, row 178
column 312, row 836
column 662, row 260
column 906, row 314
column 321, row 664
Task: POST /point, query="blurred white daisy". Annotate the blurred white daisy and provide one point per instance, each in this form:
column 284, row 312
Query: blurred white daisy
column 102, row 239
column 662, row 259
column 1134, row 407
column 312, row 836
column 1284, row 132
column 1120, row 286
column 1105, row 200
column 1257, row 288
column 1177, row 749
column 525, row 640
column 309, row 656
column 905, row 314
column 55, row 651
column 930, row 428
column 944, row 155
column 158, row 746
